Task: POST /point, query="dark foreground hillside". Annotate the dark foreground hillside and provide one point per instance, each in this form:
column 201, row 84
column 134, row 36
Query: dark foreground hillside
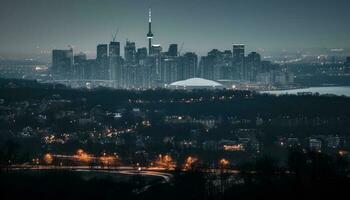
column 191, row 185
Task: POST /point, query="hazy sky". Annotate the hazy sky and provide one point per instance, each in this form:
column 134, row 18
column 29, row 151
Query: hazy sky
column 30, row 26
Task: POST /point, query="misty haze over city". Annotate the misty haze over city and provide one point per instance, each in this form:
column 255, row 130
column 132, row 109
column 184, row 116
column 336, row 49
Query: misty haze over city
column 270, row 25
column 185, row 99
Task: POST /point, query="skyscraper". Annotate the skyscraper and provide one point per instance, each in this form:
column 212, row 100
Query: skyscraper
column 101, row 72
column 141, row 55
column 207, row 67
column 189, row 64
column 78, row 70
column 114, row 49
column 116, row 70
column 115, row 64
column 238, row 60
column 102, row 52
column 252, row 66
column 130, row 53
column 150, row 34
column 87, row 69
column 79, row 58
column 62, row 64
column 172, row 50
column 156, row 49
column 227, row 69
column 169, row 70
column 216, row 56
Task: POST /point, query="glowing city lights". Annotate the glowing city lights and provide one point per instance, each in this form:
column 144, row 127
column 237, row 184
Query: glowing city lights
column 48, row 158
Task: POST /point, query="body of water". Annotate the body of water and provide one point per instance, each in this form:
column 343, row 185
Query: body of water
column 334, row 90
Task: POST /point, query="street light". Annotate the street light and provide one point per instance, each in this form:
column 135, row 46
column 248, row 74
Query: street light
column 189, row 162
column 48, row 158
column 224, row 163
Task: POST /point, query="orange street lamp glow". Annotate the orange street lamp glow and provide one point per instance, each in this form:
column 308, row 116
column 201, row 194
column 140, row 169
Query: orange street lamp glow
column 224, row 162
column 165, row 161
column 106, row 160
column 82, row 156
column 48, row 158
column 190, row 161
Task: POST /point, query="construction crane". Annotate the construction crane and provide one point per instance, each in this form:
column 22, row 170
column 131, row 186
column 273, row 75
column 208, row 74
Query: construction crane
column 114, row 36
column 180, row 50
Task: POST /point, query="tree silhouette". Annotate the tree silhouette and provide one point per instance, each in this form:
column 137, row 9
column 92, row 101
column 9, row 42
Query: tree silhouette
column 9, row 153
column 266, row 168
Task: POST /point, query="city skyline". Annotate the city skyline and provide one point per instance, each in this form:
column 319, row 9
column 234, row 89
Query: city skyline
column 181, row 99
column 49, row 30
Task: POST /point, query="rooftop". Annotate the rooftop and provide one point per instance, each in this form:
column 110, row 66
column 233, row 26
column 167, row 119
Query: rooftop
column 196, row 82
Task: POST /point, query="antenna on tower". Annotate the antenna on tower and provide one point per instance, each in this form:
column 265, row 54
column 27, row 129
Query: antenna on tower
column 114, row 36
column 149, row 15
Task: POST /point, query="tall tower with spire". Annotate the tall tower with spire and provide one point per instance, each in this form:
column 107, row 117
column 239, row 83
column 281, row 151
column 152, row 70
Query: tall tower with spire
column 150, row 34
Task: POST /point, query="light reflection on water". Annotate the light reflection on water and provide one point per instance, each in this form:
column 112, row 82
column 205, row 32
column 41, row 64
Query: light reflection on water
column 334, row 90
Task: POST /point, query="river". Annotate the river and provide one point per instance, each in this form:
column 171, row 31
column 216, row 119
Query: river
column 333, row 90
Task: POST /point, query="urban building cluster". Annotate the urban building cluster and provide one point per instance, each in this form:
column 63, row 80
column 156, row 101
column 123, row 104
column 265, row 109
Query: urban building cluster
column 152, row 67
column 156, row 67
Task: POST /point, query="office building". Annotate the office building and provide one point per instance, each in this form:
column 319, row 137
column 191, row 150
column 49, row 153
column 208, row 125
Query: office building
column 172, row 50
column 62, row 64
column 114, row 49
column 130, row 53
column 238, row 60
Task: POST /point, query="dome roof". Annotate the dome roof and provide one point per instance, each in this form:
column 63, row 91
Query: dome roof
column 196, row 82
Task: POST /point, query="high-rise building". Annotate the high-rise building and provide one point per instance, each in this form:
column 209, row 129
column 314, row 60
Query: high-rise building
column 189, row 65
column 238, row 60
column 141, row 55
column 114, row 49
column 115, row 64
column 154, row 64
column 228, row 72
column 102, row 52
column 252, row 66
column 156, row 49
column 172, row 50
column 169, row 70
column 130, row 53
column 101, row 71
column 87, row 69
column 79, row 58
column 206, row 66
column 62, row 64
column 218, row 66
column 116, row 71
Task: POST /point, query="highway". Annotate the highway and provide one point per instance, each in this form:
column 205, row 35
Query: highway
column 126, row 170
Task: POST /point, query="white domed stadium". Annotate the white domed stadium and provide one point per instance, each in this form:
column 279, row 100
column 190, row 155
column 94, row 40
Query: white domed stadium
column 195, row 83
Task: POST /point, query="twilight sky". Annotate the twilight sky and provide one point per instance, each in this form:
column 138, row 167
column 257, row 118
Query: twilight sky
column 29, row 27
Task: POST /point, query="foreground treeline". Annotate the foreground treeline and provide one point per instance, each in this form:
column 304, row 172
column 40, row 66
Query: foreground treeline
column 62, row 185
column 308, row 175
